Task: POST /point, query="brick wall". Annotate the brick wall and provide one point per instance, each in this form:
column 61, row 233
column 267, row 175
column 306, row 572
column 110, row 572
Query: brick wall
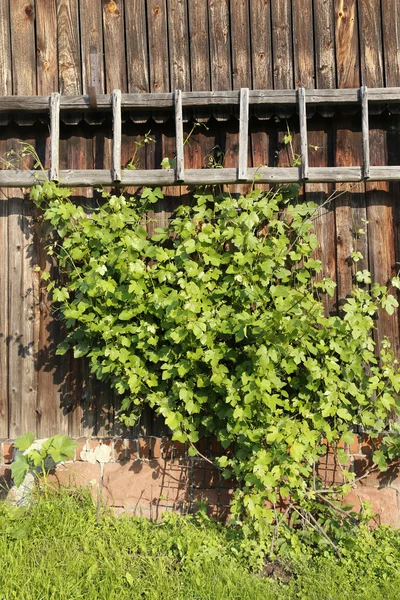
column 148, row 476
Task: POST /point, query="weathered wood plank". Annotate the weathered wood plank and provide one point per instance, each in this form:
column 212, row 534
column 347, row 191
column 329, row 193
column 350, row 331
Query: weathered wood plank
column 5, row 53
column 282, row 49
column 370, row 33
column 136, row 46
column 324, row 39
column 303, row 133
column 117, row 135
column 365, row 131
column 303, row 43
column 22, row 20
column 23, row 311
column 54, row 136
column 199, row 52
column 114, row 45
column 158, row 51
column 346, row 38
column 391, row 41
column 92, row 51
column 96, row 177
column 241, row 54
column 4, row 291
column 69, row 59
column 220, row 49
column 389, row 96
column 46, row 46
column 261, row 50
column 243, row 133
column 180, row 164
column 178, row 41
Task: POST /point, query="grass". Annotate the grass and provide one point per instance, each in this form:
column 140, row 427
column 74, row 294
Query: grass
column 56, row 550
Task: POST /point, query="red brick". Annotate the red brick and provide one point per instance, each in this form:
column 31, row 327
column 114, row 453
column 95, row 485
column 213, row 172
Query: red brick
column 156, row 447
column 369, row 445
column 8, row 449
column 77, row 474
column 120, row 450
column 384, row 503
column 133, row 449
column 179, row 450
column 166, row 447
column 354, row 448
column 144, row 448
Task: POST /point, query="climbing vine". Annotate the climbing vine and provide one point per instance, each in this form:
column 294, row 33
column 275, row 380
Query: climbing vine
column 217, row 322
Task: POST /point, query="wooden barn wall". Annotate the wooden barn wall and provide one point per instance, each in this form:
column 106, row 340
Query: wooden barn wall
column 160, row 45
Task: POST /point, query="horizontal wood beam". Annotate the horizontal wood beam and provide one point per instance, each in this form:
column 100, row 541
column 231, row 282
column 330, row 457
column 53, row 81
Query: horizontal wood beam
column 151, row 177
column 194, row 99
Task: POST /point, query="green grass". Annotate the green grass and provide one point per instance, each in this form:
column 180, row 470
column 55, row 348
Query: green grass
column 56, row 550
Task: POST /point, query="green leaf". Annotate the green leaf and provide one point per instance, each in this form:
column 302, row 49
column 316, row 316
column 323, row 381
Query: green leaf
column 23, row 442
column 380, row 460
column 19, row 469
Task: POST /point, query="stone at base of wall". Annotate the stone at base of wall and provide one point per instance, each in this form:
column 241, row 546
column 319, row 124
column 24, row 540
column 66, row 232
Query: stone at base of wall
column 149, row 476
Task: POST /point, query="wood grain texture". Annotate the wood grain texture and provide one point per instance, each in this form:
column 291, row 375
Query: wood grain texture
column 158, row 46
column 22, row 20
column 4, row 292
column 46, row 46
column 178, row 43
column 5, row 49
column 92, row 50
column 347, row 50
column 391, row 40
column 303, row 43
column 136, row 46
column 220, row 49
column 324, row 39
column 370, row 34
column 241, row 49
column 199, row 45
column 114, row 45
column 282, row 47
column 261, row 46
column 69, row 58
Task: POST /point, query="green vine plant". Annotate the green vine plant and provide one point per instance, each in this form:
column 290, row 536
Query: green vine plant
column 217, row 322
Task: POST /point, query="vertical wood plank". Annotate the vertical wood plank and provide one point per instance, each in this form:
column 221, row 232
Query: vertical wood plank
column 46, row 47
column 350, row 206
column 391, row 41
column 69, row 59
column 346, row 38
column 241, row 54
column 261, row 46
column 5, row 53
column 179, row 45
column 199, row 45
column 303, row 43
column 114, row 45
column 92, row 51
column 22, row 20
column 380, row 201
column 4, row 286
column 158, row 46
column 24, row 313
column 324, row 38
column 320, row 147
column 220, row 49
column 282, row 50
column 136, row 46
column 369, row 14
column 199, row 52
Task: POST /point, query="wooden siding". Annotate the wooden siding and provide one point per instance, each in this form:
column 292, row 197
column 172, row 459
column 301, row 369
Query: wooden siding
column 158, row 46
